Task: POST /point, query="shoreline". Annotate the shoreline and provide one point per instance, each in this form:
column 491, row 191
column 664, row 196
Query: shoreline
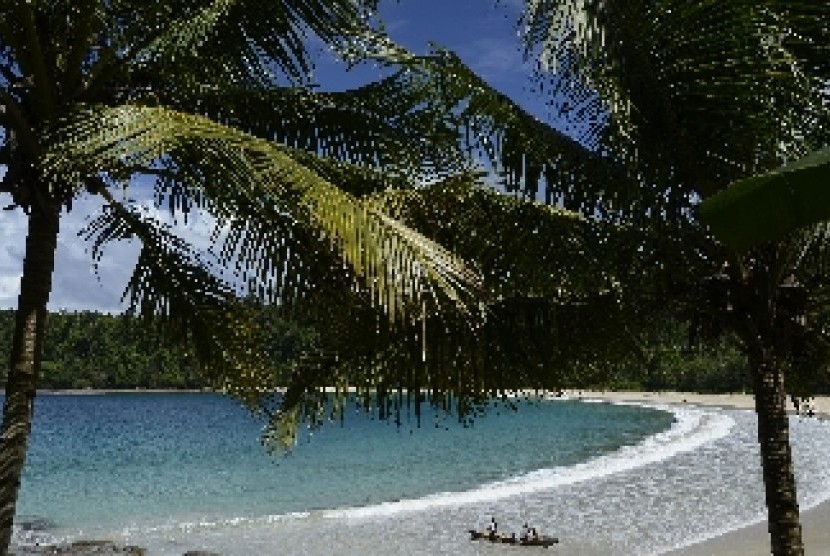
column 821, row 404
column 105, row 391
column 749, row 539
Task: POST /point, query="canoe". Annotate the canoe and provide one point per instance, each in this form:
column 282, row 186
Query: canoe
column 543, row 541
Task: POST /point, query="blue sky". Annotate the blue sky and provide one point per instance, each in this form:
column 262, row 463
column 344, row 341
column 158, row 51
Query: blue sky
column 482, row 32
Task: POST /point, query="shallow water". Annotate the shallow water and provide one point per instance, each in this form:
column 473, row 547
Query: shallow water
column 177, row 472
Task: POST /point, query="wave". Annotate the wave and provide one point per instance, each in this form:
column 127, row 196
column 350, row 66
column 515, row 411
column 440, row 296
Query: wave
column 692, row 429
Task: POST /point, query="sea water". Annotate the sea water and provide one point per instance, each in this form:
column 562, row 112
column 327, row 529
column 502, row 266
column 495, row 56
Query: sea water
column 178, row 472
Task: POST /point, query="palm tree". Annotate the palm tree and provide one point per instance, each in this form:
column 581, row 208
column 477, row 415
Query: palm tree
column 700, row 95
column 210, row 99
column 196, row 98
column 554, row 313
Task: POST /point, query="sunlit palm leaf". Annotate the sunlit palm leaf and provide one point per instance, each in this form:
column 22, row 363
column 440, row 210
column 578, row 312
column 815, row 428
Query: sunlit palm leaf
column 520, row 246
column 263, row 178
column 381, row 125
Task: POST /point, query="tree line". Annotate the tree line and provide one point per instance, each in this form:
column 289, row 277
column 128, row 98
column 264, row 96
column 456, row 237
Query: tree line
column 102, row 351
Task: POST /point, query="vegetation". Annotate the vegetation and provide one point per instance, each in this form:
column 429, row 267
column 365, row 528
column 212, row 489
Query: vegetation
column 701, row 95
column 93, row 350
column 101, row 351
column 314, row 206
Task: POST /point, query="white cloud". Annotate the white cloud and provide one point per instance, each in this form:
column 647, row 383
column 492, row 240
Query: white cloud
column 9, row 287
column 494, row 58
column 76, row 285
column 13, row 234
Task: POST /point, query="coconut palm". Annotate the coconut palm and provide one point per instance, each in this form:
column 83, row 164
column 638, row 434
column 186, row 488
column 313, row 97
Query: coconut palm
column 554, row 315
column 209, row 102
column 699, row 95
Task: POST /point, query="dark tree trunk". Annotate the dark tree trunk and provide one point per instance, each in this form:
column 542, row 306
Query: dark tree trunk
column 24, row 367
column 776, row 456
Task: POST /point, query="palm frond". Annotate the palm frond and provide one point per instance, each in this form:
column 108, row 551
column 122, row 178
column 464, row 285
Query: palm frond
column 435, row 97
column 381, row 125
column 717, row 90
column 173, row 288
column 566, row 296
column 525, row 152
column 245, row 41
column 522, row 247
column 246, row 178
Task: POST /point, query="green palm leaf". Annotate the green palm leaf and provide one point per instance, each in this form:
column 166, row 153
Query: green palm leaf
column 380, row 125
column 258, row 179
column 686, row 79
column 526, row 152
column 229, row 41
column 766, row 207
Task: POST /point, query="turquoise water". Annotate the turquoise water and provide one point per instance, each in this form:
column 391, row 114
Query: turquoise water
column 117, row 459
column 124, row 460
column 180, row 472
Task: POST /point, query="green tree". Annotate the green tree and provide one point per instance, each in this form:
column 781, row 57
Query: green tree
column 205, row 96
column 700, row 95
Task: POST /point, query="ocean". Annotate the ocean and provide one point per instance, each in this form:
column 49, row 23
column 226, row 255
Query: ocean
column 185, row 471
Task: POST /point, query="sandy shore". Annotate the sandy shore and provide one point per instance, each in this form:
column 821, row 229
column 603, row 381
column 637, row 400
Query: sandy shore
column 98, row 392
column 729, row 401
column 754, row 539
column 750, row 540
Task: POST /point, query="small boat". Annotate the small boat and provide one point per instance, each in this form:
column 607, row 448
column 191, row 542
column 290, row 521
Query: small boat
column 543, row 541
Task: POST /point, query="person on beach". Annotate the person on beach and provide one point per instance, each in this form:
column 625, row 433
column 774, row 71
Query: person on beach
column 525, row 532
column 493, row 527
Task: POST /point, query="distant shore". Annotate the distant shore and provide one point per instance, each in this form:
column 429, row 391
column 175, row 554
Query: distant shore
column 98, row 392
column 821, row 404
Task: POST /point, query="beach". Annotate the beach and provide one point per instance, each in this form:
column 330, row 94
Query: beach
column 636, row 481
column 753, row 539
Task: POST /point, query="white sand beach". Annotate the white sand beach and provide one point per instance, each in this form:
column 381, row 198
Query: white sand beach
column 448, row 523
column 754, row 539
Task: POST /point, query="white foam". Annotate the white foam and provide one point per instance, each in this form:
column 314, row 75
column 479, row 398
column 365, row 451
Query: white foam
column 215, row 524
column 692, row 429
column 816, row 497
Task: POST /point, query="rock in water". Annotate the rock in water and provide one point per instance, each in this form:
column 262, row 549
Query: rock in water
column 83, row 548
column 33, row 523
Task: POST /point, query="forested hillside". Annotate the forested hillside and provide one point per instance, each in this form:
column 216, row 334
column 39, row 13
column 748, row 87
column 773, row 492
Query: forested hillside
column 94, row 350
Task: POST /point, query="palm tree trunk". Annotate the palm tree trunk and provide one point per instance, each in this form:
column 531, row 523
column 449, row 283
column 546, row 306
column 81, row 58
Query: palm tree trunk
column 24, row 367
column 776, row 456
